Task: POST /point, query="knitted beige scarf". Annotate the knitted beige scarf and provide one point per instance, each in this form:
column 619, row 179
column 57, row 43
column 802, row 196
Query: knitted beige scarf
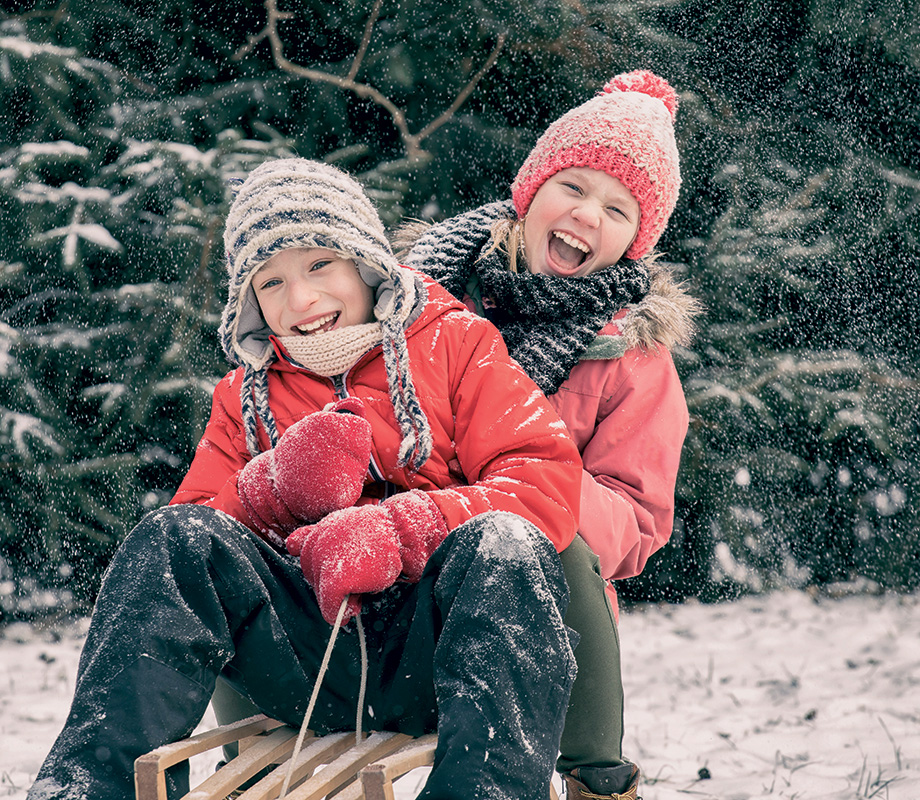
column 332, row 353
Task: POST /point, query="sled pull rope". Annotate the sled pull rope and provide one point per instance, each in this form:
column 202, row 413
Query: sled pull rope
column 316, row 686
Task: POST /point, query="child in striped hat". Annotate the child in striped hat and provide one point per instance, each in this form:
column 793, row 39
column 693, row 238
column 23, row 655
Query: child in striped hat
column 375, row 452
column 566, row 271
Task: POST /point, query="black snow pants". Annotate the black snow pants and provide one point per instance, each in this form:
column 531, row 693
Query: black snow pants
column 477, row 650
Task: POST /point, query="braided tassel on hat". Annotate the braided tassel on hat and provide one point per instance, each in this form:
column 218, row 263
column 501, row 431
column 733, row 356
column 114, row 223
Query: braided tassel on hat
column 294, row 202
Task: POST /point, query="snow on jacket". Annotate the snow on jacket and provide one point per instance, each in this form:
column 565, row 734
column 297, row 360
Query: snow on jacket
column 498, row 444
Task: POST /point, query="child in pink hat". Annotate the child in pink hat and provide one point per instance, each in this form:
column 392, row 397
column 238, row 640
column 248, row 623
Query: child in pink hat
column 566, row 271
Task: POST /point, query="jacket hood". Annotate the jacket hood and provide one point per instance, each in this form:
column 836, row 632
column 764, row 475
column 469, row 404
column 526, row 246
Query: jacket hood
column 293, row 202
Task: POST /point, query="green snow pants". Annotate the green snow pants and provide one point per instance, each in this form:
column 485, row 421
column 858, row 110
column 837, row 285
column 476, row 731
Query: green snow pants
column 593, row 733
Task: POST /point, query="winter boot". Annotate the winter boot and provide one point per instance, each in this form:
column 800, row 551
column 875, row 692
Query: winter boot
column 603, row 783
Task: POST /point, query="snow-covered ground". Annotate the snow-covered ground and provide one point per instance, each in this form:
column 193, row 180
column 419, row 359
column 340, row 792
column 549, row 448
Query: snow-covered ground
column 780, row 696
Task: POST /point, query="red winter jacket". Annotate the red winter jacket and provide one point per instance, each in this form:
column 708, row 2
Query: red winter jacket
column 506, row 447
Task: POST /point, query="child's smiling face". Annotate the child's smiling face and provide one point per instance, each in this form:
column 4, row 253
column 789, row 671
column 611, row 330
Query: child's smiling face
column 581, row 220
column 307, row 290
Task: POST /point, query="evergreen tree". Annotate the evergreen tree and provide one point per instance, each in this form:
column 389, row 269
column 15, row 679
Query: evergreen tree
column 126, row 123
column 110, row 307
column 798, row 224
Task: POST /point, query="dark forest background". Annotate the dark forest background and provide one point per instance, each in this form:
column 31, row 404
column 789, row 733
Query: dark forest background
column 121, row 123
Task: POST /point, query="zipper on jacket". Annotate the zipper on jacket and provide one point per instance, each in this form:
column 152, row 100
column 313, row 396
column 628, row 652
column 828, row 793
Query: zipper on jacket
column 341, row 392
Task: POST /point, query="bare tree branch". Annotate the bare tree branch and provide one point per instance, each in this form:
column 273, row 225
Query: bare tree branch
column 251, row 41
column 365, row 40
column 362, row 90
column 465, row 92
column 411, row 141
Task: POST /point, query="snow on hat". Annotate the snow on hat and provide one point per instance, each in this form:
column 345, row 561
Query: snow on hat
column 294, row 202
column 627, row 131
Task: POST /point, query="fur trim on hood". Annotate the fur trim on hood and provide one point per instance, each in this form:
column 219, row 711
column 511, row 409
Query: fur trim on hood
column 665, row 317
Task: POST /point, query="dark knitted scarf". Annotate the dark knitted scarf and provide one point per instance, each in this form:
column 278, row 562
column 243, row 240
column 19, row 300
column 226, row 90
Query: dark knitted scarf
column 547, row 322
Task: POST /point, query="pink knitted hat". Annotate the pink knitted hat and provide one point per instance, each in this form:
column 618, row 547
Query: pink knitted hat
column 627, row 131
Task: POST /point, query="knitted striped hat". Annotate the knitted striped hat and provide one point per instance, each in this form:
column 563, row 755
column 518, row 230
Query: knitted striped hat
column 293, row 202
column 627, row 131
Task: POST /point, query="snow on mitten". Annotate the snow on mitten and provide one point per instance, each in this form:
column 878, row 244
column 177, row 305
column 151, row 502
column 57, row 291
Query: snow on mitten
column 256, row 489
column 318, row 466
column 420, row 527
column 367, row 548
column 346, row 554
column 321, row 461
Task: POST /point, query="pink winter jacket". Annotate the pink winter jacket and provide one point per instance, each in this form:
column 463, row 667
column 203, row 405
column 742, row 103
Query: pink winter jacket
column 628, row 417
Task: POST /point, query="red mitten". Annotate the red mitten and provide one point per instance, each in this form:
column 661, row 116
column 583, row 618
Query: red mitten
column 318, row 466
column 256, row 488
column 420, row 527
column 366, row 548
column 346, row 554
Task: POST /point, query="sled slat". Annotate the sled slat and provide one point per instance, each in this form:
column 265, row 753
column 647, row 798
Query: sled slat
column 324, row 767
column 345, row 768
column 377, row 778
column 328, row 766
column 317, row 752
column 149, row 769
column 272, row 749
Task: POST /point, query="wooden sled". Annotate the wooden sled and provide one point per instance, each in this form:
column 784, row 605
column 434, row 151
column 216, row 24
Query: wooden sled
column 332, row 765
column 329, row 765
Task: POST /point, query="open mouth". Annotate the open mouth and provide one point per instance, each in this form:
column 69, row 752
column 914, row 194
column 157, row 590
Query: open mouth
column 567, row 251
column 321, row 325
